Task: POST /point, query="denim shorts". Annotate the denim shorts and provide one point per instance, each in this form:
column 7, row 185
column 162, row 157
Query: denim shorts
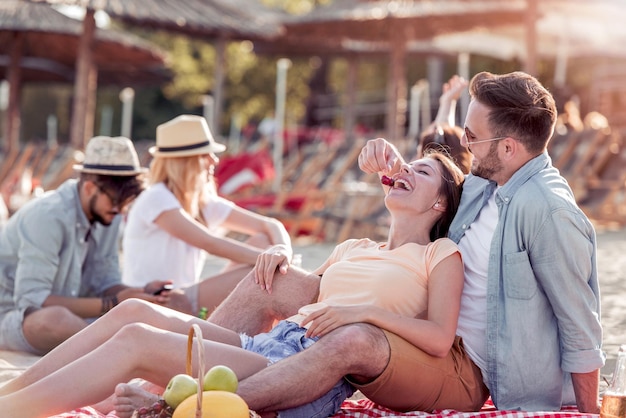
column 284, row 340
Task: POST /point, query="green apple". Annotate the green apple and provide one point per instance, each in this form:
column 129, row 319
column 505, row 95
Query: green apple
column 221, row 378
column 180, row 388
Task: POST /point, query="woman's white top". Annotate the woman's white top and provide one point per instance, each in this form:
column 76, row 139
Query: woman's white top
column 150, row 253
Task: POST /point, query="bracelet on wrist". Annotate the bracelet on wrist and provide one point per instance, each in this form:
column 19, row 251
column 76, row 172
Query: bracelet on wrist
column 108, row 303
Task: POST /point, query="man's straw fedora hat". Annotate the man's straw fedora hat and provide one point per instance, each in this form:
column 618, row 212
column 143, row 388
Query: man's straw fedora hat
column 111, row 156
column 184, row 136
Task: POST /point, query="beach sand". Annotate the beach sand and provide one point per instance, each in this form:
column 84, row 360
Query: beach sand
column 612, row 277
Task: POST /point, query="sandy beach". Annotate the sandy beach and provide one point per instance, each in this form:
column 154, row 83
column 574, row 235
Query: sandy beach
column 612, row 275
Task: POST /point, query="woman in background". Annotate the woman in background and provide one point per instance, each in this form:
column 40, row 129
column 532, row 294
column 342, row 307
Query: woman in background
column 180, row 215
column 444, row 133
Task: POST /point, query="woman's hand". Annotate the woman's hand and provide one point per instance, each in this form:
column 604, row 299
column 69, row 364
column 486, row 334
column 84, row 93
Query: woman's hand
column 274, row 258
column 379, row 156
column 329, row 318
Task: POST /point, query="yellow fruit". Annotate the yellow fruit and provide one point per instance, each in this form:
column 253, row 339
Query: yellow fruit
column 215, row 404
column 221, row 378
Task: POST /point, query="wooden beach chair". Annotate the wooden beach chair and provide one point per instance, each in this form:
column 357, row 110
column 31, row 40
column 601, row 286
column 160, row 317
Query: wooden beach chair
column 604, row 182
column 302, row 181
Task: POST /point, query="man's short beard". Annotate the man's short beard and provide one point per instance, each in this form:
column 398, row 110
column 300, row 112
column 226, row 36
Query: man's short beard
column 95, row 216
column 489, row 165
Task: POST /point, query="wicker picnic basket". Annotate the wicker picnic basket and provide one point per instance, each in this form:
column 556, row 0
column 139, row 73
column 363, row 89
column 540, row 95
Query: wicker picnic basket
column 164, row 411
column 196, row 332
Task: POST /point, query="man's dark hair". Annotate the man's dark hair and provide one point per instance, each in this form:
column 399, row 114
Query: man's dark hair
column 520, row 107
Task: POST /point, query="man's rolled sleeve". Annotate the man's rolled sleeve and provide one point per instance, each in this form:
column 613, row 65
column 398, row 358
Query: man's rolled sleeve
column 568, row 274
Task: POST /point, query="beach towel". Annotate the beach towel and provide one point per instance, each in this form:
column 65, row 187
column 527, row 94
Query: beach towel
column 364, row 408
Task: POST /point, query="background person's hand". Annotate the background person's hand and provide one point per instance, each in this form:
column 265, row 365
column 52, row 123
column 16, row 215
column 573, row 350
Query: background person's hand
column 156, row 286
column 453, row 89
column 140, row 293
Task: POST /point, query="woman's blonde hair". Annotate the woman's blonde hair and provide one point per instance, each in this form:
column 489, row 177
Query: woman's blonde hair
column 180, row 176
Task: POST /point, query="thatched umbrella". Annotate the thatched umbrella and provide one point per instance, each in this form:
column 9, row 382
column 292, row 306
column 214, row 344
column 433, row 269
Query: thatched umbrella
column 565, row 29
column 393, row 24
column 220, row 20
column 37, row 43
column 240, row 19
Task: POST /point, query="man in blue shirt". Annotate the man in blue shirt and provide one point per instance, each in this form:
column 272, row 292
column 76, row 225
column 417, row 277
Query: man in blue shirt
column 59, row 252
column 530, row 312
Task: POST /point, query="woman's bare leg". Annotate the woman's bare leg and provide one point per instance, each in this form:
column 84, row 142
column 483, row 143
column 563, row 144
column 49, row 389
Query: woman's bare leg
column 104, row 328
column 137, row 350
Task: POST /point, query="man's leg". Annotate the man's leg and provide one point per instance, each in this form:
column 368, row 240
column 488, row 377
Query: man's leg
column 251, row 310
column 211, row 291
column 46, row 328
column 359, row 350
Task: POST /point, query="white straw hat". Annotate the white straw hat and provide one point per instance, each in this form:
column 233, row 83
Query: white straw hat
column 111, row 156
column 184, row 136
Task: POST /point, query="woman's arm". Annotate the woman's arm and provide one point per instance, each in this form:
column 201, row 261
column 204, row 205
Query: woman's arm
column 452, row 90
column 179, row 224
column 434, row 335
column 248, row 222
column 277, row 256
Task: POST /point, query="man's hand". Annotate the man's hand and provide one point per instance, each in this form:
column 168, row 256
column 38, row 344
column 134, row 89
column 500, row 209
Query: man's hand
column 146, row 293
column 157, row 287
column 586, row 388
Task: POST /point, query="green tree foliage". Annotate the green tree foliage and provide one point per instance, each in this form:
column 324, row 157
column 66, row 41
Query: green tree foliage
column 249, row 79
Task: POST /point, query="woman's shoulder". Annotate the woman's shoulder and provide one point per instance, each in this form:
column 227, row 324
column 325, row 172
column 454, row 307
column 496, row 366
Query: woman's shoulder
column 156, row 191
column 158, row 188
column 154, row 199
column 443, row 245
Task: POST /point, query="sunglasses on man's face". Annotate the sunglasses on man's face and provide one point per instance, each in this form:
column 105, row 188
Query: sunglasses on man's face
column 115, row 200
column 470, row 142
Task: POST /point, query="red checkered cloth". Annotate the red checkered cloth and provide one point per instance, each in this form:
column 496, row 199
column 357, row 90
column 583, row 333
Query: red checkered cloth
column 364, row 408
